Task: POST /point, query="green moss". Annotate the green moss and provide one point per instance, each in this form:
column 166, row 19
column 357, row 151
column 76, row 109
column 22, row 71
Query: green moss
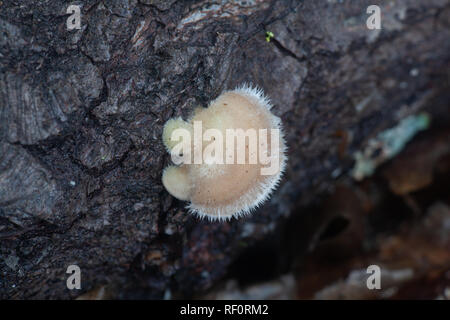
column 388, row 144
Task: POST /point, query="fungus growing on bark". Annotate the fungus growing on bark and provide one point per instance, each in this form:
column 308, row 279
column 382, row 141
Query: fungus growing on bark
column 229, row 157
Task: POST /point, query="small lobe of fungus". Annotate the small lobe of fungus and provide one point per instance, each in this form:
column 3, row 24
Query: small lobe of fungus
column 221, row 190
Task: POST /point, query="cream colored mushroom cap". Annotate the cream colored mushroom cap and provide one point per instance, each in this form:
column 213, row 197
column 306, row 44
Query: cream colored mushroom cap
column 221, row 191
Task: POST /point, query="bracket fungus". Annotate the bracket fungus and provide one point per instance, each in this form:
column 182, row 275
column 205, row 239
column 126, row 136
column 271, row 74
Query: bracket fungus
column 228, row 157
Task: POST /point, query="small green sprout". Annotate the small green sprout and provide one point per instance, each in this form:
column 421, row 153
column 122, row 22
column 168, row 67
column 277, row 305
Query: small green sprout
column 269, row 35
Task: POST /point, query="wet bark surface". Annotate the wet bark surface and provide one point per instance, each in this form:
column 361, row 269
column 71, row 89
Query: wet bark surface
column 81, row 116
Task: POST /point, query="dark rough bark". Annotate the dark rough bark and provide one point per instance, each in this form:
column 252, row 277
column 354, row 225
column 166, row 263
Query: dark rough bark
column 81, row 114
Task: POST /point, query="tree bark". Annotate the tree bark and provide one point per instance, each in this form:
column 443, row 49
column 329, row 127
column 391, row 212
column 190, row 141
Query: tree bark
column 81, row 116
